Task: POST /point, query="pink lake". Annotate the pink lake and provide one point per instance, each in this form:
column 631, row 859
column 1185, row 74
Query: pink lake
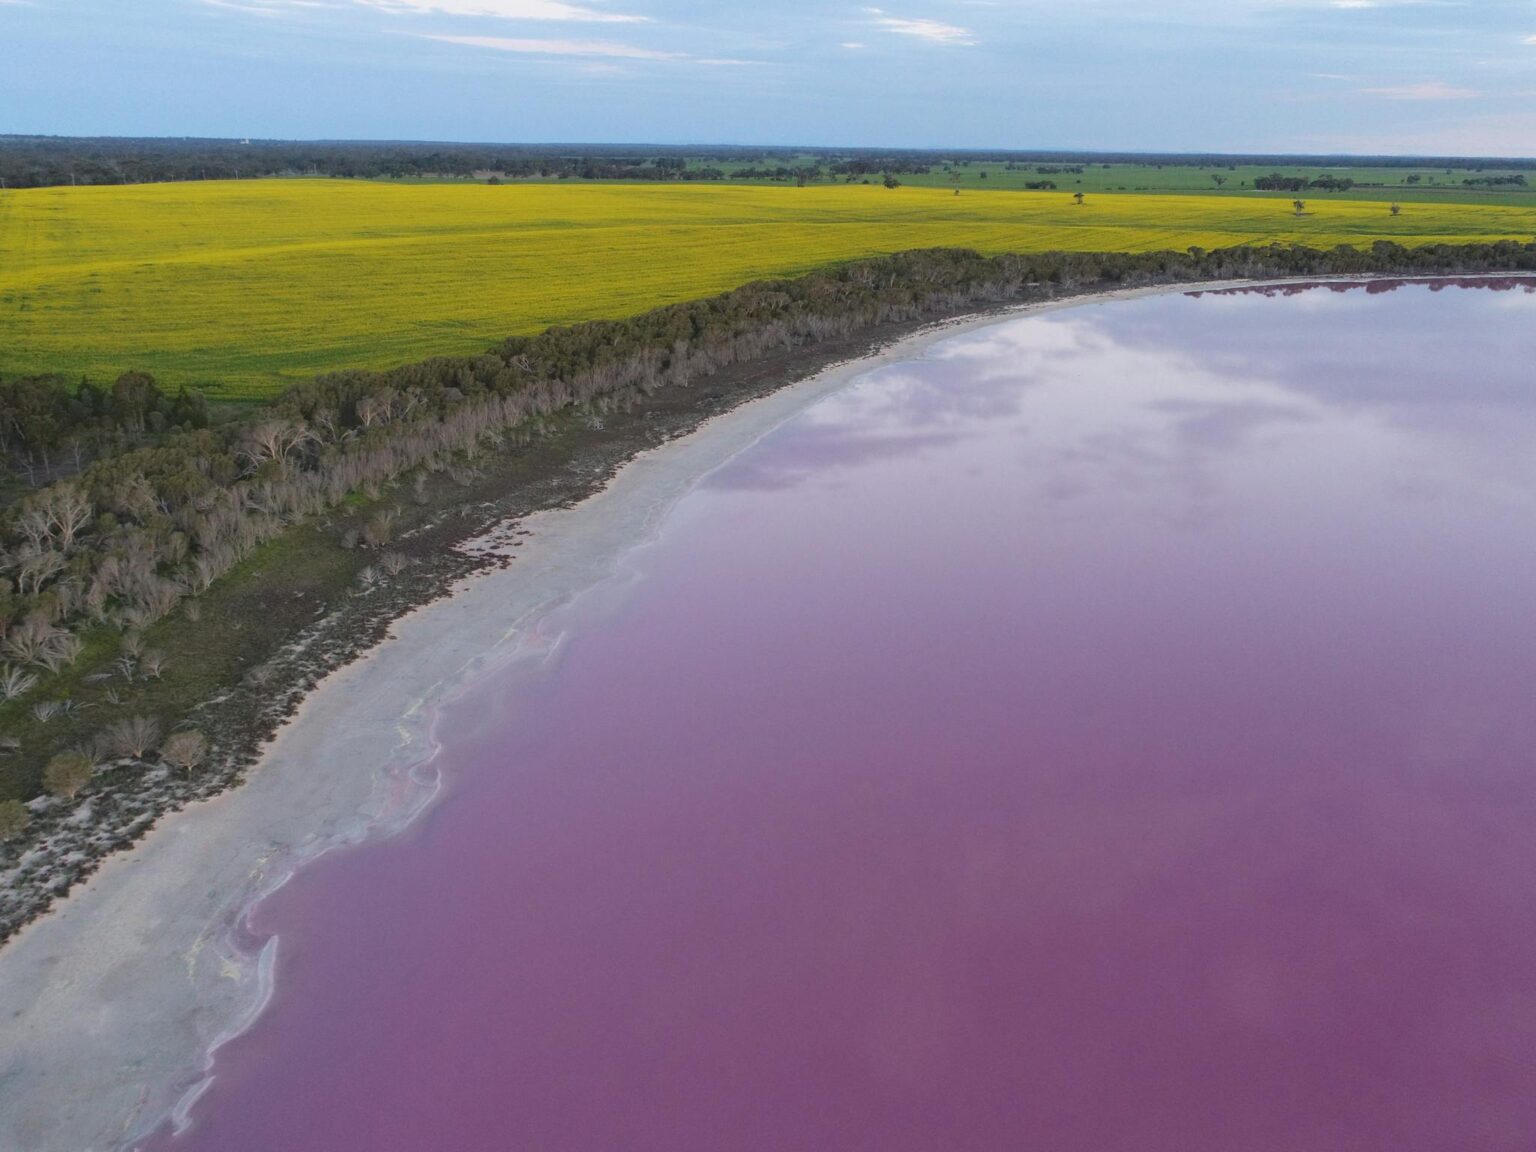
column 1114, row 731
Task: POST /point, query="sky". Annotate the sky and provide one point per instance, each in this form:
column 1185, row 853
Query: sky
column 1444, row 77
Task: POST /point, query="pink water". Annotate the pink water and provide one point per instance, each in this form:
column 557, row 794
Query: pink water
column 1112, row 732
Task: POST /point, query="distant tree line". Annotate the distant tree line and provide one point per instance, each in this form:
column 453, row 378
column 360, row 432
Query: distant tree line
column 40, row 161
column 135, row 533
column 32, row 164
column 37, row 161
column 1515, row 181
column 29, row 162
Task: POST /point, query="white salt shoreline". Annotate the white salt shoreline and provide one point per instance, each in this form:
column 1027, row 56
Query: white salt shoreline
column 114, row 1003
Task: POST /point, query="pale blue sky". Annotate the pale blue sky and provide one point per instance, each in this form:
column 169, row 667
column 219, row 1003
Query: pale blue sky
column 1221, row 75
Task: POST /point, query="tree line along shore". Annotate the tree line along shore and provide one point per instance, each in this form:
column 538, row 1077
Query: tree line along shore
column 162, row 569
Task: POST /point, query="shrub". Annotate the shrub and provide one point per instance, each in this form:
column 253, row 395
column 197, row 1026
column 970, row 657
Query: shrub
column 61, row 651
column 67, row 773
column 185, row 751
column 135, row 736
column 14, row 819
column 15, row 683
column 379, row 530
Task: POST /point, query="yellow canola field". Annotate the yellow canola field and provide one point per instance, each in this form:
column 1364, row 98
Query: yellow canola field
column 241, row 287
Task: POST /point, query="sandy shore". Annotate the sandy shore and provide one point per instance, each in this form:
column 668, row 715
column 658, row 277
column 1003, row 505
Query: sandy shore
column 115, row 1002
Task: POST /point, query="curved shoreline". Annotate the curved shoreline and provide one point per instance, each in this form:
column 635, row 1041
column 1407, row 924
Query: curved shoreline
column 118, row 1000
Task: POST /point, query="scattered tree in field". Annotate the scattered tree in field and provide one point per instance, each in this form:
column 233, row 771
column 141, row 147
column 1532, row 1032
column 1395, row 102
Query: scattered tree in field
column 67, row 773
column 14, row 819
column 1397, row 209
column 1300, row 206
column 1218, row 179
column 891, row 181
column 136, row 737
column 1077, row 198
column 185, row 751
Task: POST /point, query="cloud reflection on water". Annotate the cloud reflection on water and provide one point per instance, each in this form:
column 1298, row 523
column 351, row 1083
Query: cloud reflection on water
column 1190, row 393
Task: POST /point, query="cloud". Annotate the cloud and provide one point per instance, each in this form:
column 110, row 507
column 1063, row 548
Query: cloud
column 545, row 10
column 604, row 49
column 933, row 31
column 1429, row 90
column 586, row 49
column 504, row 10
column 268, row 7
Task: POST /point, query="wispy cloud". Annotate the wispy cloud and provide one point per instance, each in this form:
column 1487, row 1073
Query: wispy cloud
column 933, row 31
column 589, row 49
column 1429, row 90
column 1398, row 3
column 505, row 10
column 268, row 7
column 603, row 49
